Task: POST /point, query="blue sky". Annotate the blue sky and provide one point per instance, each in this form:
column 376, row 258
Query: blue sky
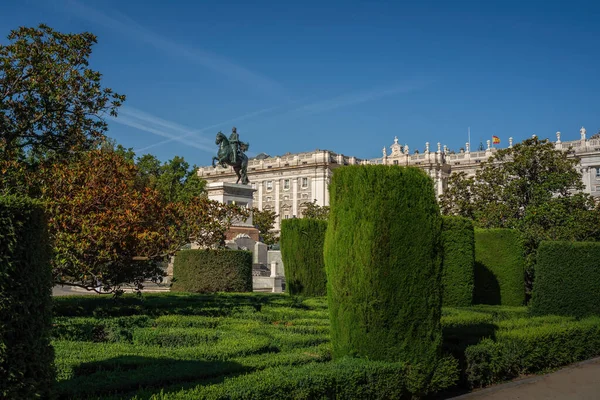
column 346, row 76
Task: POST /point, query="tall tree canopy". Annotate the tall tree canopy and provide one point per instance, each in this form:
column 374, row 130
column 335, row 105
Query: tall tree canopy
column 50, row 100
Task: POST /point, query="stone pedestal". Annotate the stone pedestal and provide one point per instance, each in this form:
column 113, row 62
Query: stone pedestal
column 240, row 195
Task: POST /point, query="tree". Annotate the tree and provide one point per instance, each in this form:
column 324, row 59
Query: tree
column 107, row 232
column 264, row 221
column 315, row 211
column 531, row 187
column 50, row 100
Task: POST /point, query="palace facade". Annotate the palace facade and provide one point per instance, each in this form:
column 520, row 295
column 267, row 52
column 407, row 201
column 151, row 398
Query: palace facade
column 286, row 183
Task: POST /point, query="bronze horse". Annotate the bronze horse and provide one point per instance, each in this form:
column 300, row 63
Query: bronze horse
column 224, row 158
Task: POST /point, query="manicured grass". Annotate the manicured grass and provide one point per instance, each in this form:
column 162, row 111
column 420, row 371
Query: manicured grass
column 243, row 346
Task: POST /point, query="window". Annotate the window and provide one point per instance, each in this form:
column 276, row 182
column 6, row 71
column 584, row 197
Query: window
column 304, row 182
column 286, row 184
column 269, row 185
column 597, row 172
column 305, row 195
column 395, row 162
column 269, row 198
column 286, row 216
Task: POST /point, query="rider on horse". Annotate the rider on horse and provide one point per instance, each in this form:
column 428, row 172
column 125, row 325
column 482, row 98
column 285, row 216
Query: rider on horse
column 234, row 142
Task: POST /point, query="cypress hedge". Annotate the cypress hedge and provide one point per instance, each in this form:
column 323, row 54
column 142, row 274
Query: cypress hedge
column 302, row 255
column 383, row 263
column 458, row 241
column 210, row 271
column 567, row 279
column 499, row 267
column 26, row 356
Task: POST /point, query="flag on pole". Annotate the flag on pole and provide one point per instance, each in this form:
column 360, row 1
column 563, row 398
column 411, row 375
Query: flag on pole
column 495, row 140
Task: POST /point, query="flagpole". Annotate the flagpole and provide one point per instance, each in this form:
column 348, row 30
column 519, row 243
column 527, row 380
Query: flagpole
column 469, row 137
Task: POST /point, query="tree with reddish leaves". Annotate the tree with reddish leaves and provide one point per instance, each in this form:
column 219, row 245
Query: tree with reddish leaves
column 106, row 232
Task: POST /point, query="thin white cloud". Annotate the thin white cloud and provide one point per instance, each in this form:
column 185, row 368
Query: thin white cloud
column 132, row 29
column 146, row 118
column 139, row 124
column 351, row 99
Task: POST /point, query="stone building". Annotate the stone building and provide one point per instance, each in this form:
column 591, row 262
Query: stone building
column 286, row 183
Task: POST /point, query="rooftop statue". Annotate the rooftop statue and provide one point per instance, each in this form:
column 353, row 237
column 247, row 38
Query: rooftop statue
column 232, row 152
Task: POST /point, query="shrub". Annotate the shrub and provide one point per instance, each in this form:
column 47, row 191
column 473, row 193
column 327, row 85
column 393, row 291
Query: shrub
column 532, row 349
column 343, row 379
column 302, row 255
column 567, row 279
column 26, row 356
column 499, row 267
column 458, row 241
column 383, row 263
column 207, row 271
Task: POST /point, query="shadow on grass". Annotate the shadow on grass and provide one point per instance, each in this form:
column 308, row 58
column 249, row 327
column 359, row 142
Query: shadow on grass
column 209, row 305
column 456, row 340
column 146, row 375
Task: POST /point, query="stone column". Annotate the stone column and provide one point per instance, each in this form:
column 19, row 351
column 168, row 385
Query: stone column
column 278, row 221
column 260, row 195
column 295, row 197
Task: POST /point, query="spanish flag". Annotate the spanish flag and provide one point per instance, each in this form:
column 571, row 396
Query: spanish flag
column 495, row 140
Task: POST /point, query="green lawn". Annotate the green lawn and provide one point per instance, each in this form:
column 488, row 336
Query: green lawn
column 247, row 346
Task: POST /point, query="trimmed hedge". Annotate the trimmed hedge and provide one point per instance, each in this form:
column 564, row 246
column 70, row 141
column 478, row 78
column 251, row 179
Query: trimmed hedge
column 567, row 279
column 383, row 262
column 209, row 271
column 26, row 356
column 499, row 267
column 346, row 378
column 530, row 349
column 302, row 255
column 458, row 241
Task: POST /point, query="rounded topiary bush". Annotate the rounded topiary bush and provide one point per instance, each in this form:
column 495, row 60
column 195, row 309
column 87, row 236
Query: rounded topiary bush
column 458, row 242
column 383, row 263
column 302, row 255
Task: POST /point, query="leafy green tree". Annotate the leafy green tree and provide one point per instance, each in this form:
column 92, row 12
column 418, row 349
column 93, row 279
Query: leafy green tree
column 51, row 102
column 531, row 187
column 178, row 182
column 264, row 221
column 315, row 211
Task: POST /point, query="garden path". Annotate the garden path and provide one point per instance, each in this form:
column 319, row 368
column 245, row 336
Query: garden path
column 579, row 381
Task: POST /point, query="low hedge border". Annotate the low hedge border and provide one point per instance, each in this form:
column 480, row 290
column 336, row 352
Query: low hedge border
column 210, row 271
column 531, row 349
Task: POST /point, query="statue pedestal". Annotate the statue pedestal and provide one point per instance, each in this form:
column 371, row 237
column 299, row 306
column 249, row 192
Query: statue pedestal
column 240, row 195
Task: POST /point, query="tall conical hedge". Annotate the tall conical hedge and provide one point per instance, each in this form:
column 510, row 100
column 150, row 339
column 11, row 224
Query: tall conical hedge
column 458, row 240
column 383, row 263
column 302, row 255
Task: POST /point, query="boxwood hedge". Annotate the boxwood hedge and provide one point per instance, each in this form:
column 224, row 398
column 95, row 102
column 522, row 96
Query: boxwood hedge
column 458, row 241
column 209, row 271
column 26, row 356
column 567, row 279
column 302, row 255
column 383, row 262
column 499, row 267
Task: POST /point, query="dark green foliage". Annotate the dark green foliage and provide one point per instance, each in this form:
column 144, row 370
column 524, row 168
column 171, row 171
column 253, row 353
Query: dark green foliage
column 343, row 379
column 26, row 356
column 499, row 267
column 458, row 240
column 302, row 255
column 209, row 271
column 567, row 279
column 174, row 348
column 383, row 263
column 530, row 349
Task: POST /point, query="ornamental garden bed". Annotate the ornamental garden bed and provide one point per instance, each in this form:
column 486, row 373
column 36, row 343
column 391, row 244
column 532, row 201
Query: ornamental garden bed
column 242, row 346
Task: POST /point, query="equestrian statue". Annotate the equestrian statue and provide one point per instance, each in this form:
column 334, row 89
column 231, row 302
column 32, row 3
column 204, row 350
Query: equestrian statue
column 232, row 152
